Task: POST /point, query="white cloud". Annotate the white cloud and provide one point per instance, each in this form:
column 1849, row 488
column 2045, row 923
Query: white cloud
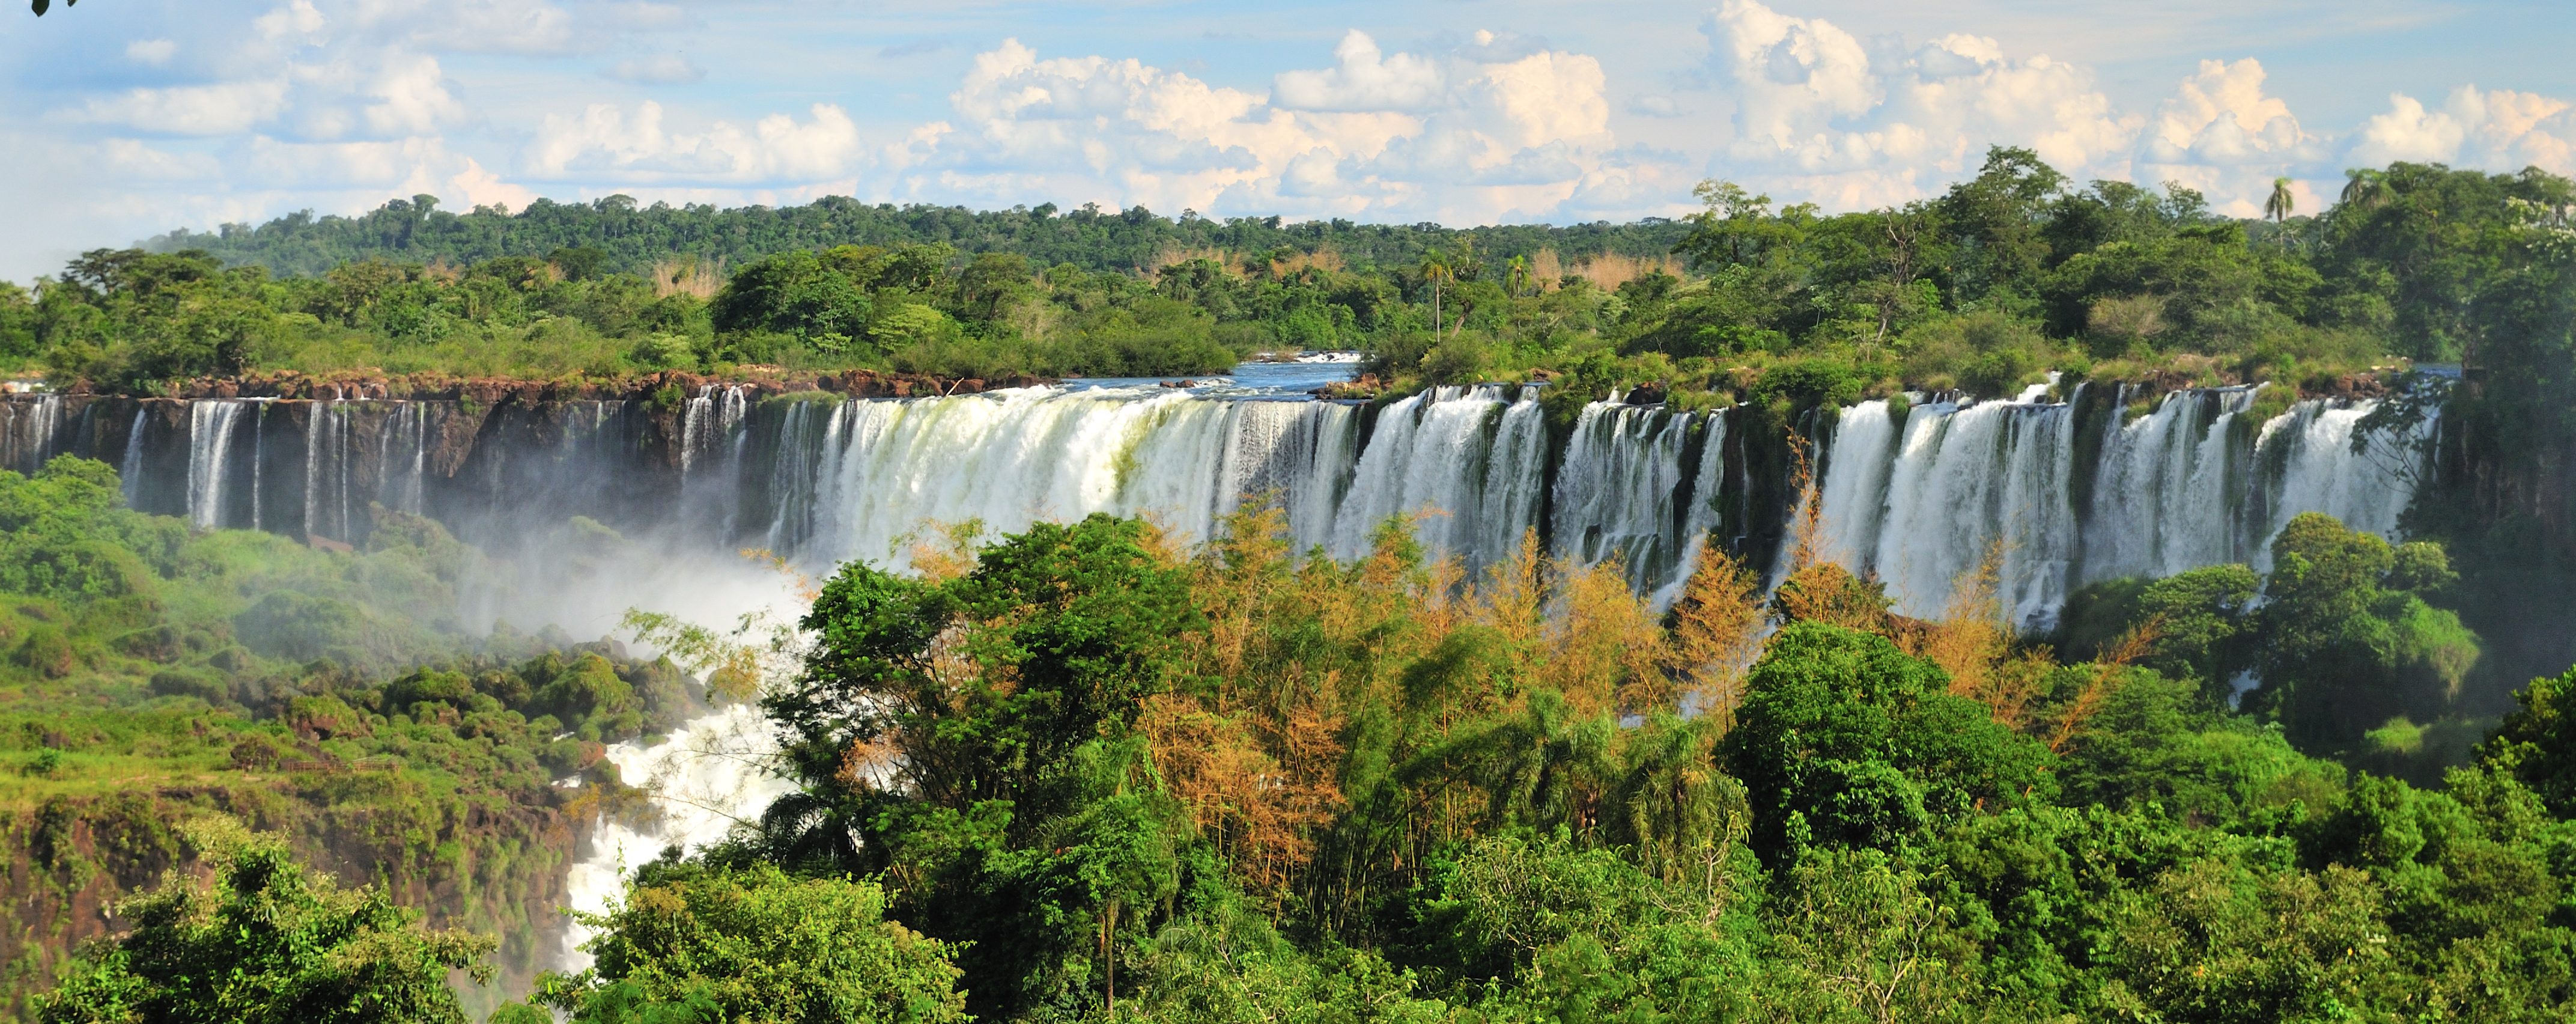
column 2499, row 129
column 1817, row 112
column 658, row 69
column 1362, row 79
column 1498, row 127
column 155, row 52
column 228, row 108
column 471, row 26
column 606, row 140
column 410, row 97
column 2222, row 134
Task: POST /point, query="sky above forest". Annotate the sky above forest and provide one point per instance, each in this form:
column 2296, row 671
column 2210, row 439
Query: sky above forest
column 125, row 118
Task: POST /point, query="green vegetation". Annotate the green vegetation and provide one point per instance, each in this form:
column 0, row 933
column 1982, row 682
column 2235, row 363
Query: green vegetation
column 267, row 941
column 151, row 675
column 1107, row 780
column 2351, row 650
column 694, row 943
column 2005, row 276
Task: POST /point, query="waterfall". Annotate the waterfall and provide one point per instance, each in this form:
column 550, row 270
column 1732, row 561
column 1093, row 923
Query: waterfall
column 403, row 458
column 2063, row 493
column 210, row 437
column 129, row 470
column 2168, row 486
column 328, row 466
column 709, row 775
column 1702, row 512
column 709, row 420
column 863, row 479
column 1619, row 488
column 1466, row 458
column 1863, row 451
column 1964, row 480
column 29, row 431
column 2187, row 485
column 2311, row 465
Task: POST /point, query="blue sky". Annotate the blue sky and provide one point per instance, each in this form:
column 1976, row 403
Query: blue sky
column 128, row 117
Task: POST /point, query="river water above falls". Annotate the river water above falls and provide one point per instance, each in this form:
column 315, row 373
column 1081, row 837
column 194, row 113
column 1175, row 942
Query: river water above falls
column 2073, row 491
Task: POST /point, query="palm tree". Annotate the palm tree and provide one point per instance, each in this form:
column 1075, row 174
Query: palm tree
column 1519, row 276
column 1435, row 269
column 2280, row 205
column 2364, row 188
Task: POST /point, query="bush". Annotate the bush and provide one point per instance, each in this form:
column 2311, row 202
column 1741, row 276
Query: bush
column 47, row 652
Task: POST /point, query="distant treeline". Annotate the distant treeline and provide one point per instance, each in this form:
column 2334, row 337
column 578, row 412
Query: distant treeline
column 633, row 238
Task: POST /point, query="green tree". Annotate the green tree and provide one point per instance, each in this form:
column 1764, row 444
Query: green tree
column 2343, row 651
column 2537, row 741
column 265, row 942
column 2280, row 203
column 694, row 943
column 1843, row 740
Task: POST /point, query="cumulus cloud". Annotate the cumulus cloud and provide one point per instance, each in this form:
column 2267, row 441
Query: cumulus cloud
column 2500, row 129
column 1819, row 111
column 1363, row 78
column 605, row 139
column 228, row 108
column 1495, row 127
column 2222, row 134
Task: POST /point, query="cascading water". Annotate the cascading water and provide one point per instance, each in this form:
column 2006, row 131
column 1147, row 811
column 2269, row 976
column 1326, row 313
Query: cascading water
column 1620, row 489
column 30, row 432
column 858, row 479
column 709, row 421
column 402, row 458
column 1701, row 513
column 2065, row 496
column 1470, row 456
column 708, row 776
column 210, row 442
column 2305, row 462
column 129, row 470
column 328, row 431
column 2185, row 486
column 2168, row 487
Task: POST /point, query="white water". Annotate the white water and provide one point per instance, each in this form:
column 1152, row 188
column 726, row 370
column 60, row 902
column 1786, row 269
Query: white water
column 327, row 469
column 2180, row 488
column 210, row 436
column 403, row 458
column 29, row 431
column 865, row 479
column 1700, row 518
column 1465, row 459
column 713, row 773
column 129, row 470
column 1617, row 490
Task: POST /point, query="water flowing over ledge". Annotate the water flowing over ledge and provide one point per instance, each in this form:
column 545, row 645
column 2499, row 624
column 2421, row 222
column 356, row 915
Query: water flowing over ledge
column 2074, row 491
